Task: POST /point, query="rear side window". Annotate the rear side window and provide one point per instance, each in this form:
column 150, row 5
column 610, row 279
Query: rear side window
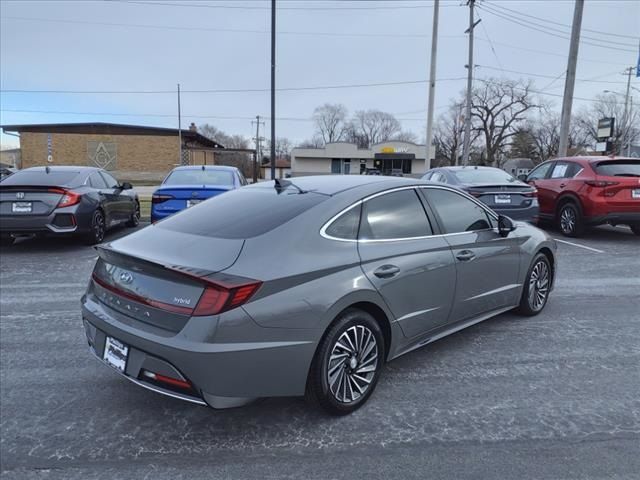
column 242, row 213
column 96, row 181
column 457, row 213
column 619, row 168
column 346, row 225
column 394, row 215
column 565, row 170
column 42, row 178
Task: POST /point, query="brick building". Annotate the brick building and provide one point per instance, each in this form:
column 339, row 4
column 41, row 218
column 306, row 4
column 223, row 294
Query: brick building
column 130, row 152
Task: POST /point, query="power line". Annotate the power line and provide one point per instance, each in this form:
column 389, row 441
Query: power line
column 546, row 20
column 548, row 30
column 553, row 54
column 231, row 90
column 549, row 76
column 171, row 115
column 300, row 8
column 222, row 30
column 594, row 100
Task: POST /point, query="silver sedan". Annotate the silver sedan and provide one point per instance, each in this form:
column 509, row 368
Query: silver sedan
column 306, row 287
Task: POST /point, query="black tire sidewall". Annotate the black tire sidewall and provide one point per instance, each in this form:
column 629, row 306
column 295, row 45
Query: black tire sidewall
column 525, row 307
column 577, row 228
column 92, row 236
column 318, row 374
column 134, row 221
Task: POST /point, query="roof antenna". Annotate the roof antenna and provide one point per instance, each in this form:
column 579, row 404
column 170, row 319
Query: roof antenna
column 47, row 169
column 203, row 168
column 281, row 185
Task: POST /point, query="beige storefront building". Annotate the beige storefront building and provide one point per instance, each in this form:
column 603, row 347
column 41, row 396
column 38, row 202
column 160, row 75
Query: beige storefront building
column 389, row 158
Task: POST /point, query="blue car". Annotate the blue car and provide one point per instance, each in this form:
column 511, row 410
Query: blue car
column 187, row 186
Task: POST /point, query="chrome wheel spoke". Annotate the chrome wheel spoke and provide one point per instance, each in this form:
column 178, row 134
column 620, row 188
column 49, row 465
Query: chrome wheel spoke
column 539, row 284
column 352, row 364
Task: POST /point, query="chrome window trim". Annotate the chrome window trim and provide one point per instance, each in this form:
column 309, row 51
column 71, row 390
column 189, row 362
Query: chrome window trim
column 323, row 230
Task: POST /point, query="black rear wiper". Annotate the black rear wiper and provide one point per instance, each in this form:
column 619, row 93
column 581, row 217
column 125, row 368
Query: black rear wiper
column 626, row 175
column 282, row 185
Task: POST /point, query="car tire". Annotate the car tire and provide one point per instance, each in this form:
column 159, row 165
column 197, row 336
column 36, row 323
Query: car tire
column 97, row 228
column 135, row 217
column 6, row 240
column 537, row 286
column 570, row 221
column 347, row 363
column 635, row 229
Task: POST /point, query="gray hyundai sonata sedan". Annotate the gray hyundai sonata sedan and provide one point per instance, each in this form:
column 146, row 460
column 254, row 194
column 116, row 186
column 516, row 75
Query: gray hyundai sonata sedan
column 306, row 287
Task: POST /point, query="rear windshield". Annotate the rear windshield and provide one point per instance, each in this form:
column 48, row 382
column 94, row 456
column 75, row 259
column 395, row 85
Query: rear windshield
column 243, row 213
column 41, row 178
column 619, row 168
column 199, row 177
column 483, row 175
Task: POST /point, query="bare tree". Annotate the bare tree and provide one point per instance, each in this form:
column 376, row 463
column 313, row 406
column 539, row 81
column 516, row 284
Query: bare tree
column 375, row 126
column 448, row 134
column 498, row 108
column 313, row 142
column 235, row 159
column 330, row 120
column 610, row 105
column 283, row 147
column 405, row 136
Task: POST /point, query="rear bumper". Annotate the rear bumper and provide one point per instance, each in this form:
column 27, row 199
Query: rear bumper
column 158, row 214
column 614, row 218
column 528, row 214
column 60, row 221
column 263, row 362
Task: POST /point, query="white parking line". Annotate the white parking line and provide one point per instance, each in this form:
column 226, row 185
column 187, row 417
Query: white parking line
column 579, row 246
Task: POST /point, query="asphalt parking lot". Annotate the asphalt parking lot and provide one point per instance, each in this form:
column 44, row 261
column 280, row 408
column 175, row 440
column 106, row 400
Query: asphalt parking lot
column 553, row 396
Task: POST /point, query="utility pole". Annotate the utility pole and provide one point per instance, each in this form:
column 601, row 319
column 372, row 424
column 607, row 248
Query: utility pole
column 626, row 116
column 569, row 84
column 432, row 82
column 273, row 90
column 180, row 159
column 467, row 117
column 257, row 155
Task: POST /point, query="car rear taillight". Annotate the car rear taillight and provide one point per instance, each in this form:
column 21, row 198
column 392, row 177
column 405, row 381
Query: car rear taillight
column 600, row 183
column 218, row 298
column 68, row 199
column 475, row 193
column 160, row 197
column 174, row 382
column 532, row 194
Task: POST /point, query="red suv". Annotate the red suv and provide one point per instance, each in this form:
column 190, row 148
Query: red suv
column 577, row 192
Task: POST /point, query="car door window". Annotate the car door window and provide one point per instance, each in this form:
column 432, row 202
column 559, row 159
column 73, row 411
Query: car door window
column 111, row 182
column 456, row 212
column 96, row 181
column 395, row 215
column 539, row 172
column 563, row 170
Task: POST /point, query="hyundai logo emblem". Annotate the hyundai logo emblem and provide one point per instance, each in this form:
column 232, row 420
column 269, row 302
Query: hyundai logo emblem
column 126, row 278
column 20, row 195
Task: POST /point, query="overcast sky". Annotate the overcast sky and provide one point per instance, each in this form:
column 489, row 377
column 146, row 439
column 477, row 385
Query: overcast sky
column 213, row 45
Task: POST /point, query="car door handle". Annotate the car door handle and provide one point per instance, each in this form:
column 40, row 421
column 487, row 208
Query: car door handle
column 386, row 271
column 465, row 255
column 562, row 185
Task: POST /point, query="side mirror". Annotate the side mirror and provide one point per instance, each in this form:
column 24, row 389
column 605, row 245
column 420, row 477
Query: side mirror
column 522, row 177
column 505, row 225
column 126, row 186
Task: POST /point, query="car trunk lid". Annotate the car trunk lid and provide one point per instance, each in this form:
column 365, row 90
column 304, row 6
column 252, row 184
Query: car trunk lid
column 503, row 196
column 29, row 199
column 618, row 181
column 159, row 276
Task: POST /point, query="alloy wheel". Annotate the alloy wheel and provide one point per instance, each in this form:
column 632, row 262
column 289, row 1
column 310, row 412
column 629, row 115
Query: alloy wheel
column 539, row 285
column 98, row 226
column 352, row 364
column 568, row 220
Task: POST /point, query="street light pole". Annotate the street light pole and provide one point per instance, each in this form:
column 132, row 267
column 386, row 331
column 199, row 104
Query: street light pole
column 626, row 116
column 180, row 159
column 467, row 118
column 432, row 83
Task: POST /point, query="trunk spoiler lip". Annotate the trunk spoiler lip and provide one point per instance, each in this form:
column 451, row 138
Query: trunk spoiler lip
column 105, row 250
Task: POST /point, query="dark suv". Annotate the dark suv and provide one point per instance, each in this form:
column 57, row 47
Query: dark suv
column 578, row 192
